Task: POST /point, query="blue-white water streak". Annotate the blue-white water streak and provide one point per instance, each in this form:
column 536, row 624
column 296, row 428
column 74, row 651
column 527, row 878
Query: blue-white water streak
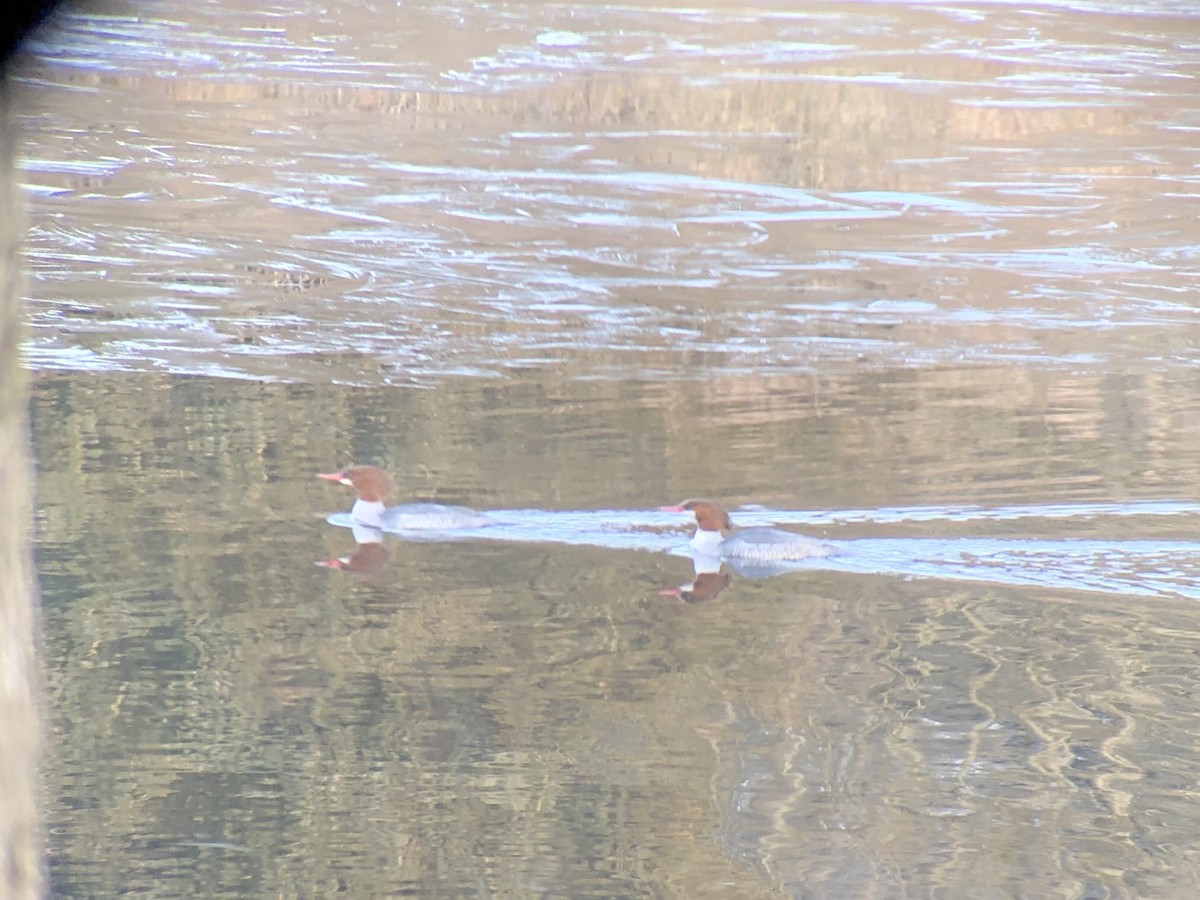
column 1151, row 568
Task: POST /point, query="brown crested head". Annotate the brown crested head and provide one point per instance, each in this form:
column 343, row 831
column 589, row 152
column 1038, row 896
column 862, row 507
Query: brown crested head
column 371, row 484
column 710, row 515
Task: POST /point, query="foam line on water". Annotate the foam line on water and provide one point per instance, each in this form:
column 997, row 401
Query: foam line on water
column 1147, row 568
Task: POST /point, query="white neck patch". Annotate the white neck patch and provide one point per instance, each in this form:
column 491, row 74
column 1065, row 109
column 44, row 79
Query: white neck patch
column 707, row 541
column 368, row 512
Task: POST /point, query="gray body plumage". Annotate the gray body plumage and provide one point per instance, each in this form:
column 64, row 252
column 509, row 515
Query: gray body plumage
column 759, row 542
column 432, row 517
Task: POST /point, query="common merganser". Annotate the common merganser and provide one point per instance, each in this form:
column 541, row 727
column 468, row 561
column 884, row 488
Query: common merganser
column 716, row 535
column 373, row 485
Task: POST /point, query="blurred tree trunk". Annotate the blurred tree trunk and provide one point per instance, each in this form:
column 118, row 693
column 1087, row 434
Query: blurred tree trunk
column 20, row 732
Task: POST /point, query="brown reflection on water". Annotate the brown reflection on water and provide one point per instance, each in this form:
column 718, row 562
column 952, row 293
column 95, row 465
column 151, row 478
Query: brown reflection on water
column 523, row 718
column 928, row 739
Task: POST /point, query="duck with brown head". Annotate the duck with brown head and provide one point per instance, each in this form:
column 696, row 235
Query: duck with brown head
column 716, row 535
column 372, row 486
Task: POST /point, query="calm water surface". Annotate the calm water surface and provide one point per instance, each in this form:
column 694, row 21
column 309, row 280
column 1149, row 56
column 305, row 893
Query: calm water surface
column 918, row 279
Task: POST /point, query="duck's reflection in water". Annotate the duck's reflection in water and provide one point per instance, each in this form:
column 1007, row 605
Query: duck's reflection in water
column 710, row 577
column 370, row 556
column 712, row 574
column 706, row 586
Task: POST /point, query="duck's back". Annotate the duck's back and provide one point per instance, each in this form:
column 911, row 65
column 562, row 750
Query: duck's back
column 432, row 517
column 760, row 542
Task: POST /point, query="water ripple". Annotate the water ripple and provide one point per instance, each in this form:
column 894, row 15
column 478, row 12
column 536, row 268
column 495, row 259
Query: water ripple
column 1140, row 567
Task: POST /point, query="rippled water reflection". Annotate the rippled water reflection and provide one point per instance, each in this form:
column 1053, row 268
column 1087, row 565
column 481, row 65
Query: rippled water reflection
column 915, row 278
column 529, row 713
column 638, row 190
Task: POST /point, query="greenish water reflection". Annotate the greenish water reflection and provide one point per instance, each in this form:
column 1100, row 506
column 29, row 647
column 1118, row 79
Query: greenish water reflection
column 492, row 719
